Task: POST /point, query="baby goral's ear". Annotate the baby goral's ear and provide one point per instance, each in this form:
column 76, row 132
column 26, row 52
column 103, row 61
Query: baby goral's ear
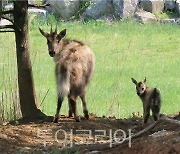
column 145, row 80
column 134, row 81
column 45, row 34
column 62, row 33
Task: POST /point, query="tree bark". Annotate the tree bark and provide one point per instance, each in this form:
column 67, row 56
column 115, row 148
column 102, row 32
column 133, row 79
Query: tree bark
column 0, row 8
column 28, row 101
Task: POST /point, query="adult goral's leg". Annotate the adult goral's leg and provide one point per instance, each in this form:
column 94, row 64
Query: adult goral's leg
column 85, row 110
column 59, row 103
column 74, row 108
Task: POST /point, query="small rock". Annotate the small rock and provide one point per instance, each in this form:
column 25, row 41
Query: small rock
column 169, row 4
column 4, row 22
column 65, row 8
column 94, row 152
column 167, row 21
column 39, row 12
column 153, row 6
column 159, row 134
column 31, row 2
column 124, row 8
column 178, row 21
column 177, row 6
column 144, row 17
column 9, row 6
column 98, row 8
column 3, row 136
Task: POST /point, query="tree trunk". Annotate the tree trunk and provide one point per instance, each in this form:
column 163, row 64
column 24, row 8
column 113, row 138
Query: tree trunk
column 27, row 94
column 0, row 6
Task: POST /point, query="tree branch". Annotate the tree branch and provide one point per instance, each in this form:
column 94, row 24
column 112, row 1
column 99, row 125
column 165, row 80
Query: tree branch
column 7, row 12
column 38, row 6
column 7, row 26
column 173, row 121
column 6, row 31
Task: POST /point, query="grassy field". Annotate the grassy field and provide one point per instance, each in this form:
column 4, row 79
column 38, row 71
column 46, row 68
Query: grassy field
column 123, row 50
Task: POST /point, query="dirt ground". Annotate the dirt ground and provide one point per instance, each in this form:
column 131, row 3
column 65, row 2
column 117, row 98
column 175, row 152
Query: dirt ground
column 47, row 137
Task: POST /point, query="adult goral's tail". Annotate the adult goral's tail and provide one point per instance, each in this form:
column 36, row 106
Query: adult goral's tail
column 63, row 82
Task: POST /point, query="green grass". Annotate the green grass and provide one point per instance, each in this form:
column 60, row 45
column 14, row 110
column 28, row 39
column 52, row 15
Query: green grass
column 123, row 50
column 167, row 15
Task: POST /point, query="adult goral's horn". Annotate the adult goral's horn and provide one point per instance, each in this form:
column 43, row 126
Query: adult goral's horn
column 51, row 29
column 56, row 29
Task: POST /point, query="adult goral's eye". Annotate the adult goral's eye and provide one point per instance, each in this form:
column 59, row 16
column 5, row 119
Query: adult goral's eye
column 142, row 88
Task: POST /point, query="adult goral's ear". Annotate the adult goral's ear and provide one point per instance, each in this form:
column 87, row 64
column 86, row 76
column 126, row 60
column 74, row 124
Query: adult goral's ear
column 62, row 34
column 134, row 81
column 45, row 34
column 145, row 80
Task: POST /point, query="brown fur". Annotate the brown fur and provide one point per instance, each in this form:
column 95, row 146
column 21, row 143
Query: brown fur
column 151, row 99
column 74, row 69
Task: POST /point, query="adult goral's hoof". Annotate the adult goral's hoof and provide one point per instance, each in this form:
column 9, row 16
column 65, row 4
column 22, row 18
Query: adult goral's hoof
column 70, row 116
column 86, row 116
column 55, row 120
column 78, row 119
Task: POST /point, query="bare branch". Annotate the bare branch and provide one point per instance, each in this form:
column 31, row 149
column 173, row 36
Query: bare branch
column 7, row 26
column 146, row 129
column 44, row 97
column 173, row 121
column 38, row 6
column 7, row 31
column 7, row 12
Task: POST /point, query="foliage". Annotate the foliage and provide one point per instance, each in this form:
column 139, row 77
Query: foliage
column 167, row 15
column 83, row 5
